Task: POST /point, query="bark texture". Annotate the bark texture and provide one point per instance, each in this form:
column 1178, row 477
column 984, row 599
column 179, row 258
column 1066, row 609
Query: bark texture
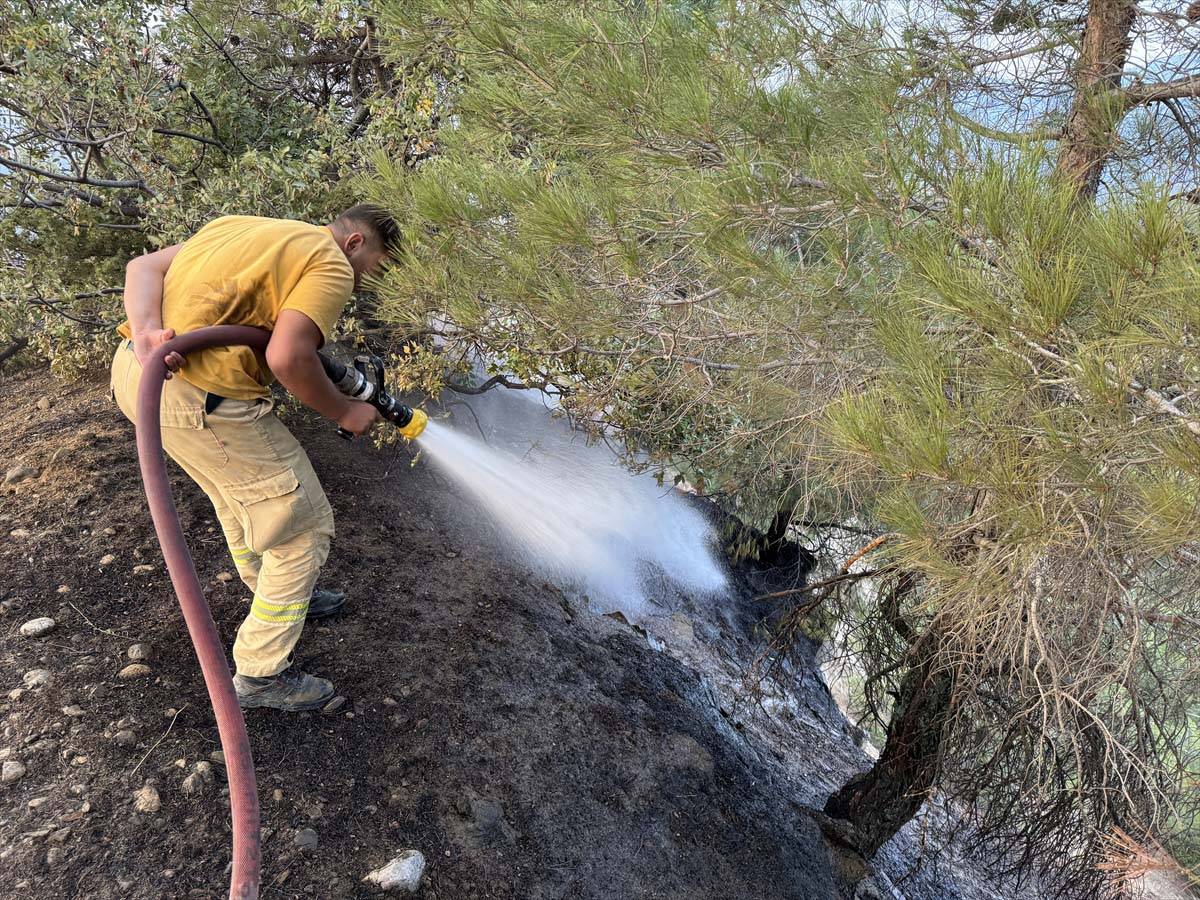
column 1096, row 110
column 879, row 801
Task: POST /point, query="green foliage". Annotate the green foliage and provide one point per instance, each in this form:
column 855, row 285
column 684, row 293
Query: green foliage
column 756, row 243
column 129, row 125
column 801, row 294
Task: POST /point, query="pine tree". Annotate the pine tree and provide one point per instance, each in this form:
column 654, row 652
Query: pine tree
column 1102, row 85
column 757, row 250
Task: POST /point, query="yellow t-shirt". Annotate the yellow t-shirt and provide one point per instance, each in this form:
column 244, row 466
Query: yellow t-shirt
column 242, row 270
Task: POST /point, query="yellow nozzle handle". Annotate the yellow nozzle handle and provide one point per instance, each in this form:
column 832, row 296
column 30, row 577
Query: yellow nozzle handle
column 415, row 426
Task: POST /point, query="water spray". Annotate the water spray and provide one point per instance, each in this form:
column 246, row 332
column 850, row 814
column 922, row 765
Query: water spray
column 576, row 515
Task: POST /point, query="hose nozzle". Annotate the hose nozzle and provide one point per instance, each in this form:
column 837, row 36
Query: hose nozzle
column 357, row 384
column 415, row 426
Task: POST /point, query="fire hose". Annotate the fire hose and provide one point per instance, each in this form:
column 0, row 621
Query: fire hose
column 231, row 725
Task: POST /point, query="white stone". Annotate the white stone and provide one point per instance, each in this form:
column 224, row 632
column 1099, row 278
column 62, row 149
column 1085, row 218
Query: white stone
column 38, row 627
column 37, row 677
column 146, row 799
column 201, row 777
column 20, row 473
column 12, row 770
column 107, row 559
column 139, row 652
column 404, row 873
column 193, row 785
column 133, row 670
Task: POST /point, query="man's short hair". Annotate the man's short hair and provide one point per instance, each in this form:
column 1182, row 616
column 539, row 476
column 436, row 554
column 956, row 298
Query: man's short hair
column 373, row 220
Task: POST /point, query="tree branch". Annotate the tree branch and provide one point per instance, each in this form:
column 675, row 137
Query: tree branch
column 828, row 582
column 73, row 179
column 1050, row 44
column 179, row 85
column 171, row 132
column 1178, row 89
column 13, row 349
column 1151, row 397
column 494, row 381
column 995, row 134
column 53, row 306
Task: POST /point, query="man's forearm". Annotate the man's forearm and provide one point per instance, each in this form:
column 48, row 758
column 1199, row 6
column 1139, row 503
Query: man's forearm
column 302, row 374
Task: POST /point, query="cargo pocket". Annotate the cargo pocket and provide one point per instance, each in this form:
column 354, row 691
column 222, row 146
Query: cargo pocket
column 182, row 405
column 271, row 510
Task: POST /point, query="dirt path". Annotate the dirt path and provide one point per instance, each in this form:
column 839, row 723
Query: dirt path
column 528, row 748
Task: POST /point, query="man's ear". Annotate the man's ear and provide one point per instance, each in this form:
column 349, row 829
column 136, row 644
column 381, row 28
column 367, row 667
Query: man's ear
column 353, row 241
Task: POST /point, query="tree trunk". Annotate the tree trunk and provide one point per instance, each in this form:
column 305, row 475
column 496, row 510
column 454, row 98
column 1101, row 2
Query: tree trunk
column 1093, row 121
column 878, row 802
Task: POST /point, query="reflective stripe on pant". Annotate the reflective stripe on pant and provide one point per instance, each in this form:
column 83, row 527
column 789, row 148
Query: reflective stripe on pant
column 271, row 507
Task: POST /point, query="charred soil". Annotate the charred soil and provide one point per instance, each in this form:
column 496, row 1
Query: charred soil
column 527, row 747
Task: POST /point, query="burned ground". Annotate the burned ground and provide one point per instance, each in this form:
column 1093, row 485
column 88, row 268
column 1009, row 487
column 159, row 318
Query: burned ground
column 527, row 747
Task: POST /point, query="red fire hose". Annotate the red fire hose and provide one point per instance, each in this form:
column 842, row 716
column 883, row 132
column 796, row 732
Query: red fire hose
column 239, row 765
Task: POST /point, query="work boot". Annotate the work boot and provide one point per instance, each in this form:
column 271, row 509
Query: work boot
column 325, row 603
column 291, row 691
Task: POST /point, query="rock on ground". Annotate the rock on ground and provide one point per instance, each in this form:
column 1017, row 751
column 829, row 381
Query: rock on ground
column 139, row 652
column 199, row 779
column 146, row 799
column 12, row 770
column 404, row 873
column 19, row 473
column 38, row 627
column 37, row 677
column 306, row 839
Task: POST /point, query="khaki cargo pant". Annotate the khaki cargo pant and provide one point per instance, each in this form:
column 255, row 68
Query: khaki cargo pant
column 275, row 516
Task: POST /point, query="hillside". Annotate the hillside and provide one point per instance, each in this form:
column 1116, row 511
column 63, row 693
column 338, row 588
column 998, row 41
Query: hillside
column 528, row 747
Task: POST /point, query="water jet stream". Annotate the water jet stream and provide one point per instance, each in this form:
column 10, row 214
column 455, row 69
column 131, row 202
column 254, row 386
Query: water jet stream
column 577, row 516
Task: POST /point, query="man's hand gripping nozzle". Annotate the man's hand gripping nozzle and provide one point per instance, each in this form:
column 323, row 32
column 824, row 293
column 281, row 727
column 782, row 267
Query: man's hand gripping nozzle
column 357, row 384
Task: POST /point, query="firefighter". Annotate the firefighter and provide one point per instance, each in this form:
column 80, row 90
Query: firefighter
column 217, row 416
